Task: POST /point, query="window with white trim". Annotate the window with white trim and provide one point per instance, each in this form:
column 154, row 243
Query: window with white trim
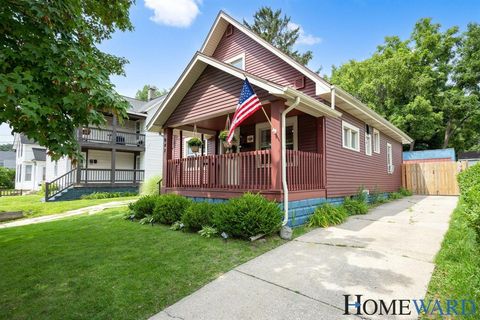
column 368, row 144
column 350, row 136
column 390, row 166
column 376, row 141
column 263, row 135
column 28, row 172
column 189, row 153
column 237, row 61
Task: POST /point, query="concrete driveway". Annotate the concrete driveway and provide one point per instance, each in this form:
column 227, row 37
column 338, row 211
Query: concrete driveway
column 386, row 254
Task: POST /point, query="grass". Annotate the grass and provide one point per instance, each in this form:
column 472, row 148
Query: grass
column 104, row 267
column 32, row 206
column 457, row 265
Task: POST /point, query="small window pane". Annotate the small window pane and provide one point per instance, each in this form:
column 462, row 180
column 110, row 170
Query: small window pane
column 28, row 173
column 237, row 63
column 354, row 140
column 265, row 139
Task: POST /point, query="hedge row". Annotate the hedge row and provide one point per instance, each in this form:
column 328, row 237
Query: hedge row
column 469, row 183
column 243, row 217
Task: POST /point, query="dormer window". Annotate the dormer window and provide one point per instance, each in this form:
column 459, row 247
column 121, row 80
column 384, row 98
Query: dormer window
column 237, row 61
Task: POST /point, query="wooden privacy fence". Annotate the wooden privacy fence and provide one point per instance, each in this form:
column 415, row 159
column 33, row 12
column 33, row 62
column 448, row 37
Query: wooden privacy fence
column 432, row 178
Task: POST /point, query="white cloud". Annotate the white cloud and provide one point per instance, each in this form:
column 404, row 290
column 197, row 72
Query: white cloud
column 304, row 38
column 175, row 13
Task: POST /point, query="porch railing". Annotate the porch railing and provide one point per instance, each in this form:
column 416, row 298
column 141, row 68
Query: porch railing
column 245, row 170
column 106, row 136
column 93, row 176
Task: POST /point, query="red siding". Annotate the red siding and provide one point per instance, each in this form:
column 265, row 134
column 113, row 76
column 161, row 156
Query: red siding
column 347, row 170
column 260, row 61
column 213, row 92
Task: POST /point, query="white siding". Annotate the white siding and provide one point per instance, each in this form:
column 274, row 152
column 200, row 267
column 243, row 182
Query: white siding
column 123, row 160
column 152, row 158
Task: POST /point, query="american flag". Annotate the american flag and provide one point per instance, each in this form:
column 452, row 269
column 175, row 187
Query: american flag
column 248, row 104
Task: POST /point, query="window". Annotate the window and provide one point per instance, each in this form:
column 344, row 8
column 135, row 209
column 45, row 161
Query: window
column 44, row 173
column 28, row 172
column 189, row 153
column 376, row 141
column 237, row 61
column 350, row 136
column 19, row 173
column 368, row 144
column 263, row 135
column 390, row 166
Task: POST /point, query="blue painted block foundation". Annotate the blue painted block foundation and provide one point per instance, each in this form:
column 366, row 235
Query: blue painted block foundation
column 298, row 211
column 76, row 192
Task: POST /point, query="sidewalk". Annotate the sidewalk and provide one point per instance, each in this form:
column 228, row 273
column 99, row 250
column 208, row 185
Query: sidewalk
column 387, row 254
column 53, row 217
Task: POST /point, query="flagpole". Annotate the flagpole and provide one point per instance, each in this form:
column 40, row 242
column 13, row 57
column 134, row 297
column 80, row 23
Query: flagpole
column 264, row 112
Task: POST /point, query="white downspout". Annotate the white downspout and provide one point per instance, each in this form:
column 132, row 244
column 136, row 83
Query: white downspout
column 284, row 159
column 332, row 99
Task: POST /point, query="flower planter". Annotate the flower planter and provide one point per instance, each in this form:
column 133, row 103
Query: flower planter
column 194, row 148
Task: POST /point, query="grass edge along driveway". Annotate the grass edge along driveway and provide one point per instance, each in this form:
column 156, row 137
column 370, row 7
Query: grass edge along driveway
column 104, row 267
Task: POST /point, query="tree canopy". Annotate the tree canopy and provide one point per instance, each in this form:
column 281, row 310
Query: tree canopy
column 428, row 84
column 142, row 94
column 53, row 77
column 271, row 26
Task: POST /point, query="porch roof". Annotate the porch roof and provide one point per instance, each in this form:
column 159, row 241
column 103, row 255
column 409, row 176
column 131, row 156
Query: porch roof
column 198, row 64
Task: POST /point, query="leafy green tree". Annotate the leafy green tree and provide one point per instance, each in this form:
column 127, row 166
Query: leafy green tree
column 271, row 26
column 427, row 85
column 7, row 178
column 142, row 94
column 53, row 77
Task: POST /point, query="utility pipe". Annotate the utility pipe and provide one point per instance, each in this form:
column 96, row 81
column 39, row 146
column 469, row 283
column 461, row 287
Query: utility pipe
column 284, row 159
column 332, row 99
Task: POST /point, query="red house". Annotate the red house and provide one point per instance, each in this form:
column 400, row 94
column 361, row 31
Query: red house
column 332, row 143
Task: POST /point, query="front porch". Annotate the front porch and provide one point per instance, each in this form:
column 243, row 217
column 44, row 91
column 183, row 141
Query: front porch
column 255, row 165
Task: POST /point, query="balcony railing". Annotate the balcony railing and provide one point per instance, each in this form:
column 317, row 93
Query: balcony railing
column 244, row 171
column 106, row 136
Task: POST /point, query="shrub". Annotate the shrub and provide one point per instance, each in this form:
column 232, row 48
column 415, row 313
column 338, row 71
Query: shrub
column 327, row 215
column 150, row 186
column 361, row 195
column 394, row 196
column 247, row 216
column 376, row 196
column 198, row 215
column 354, row 207
column 405, row 192
column 169, row 208
column 7, row 178
column 469, row 178
column 107, row 195
column 207, row 232
column 143, row 207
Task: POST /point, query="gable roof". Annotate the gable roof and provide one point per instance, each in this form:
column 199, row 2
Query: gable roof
column 195, row 69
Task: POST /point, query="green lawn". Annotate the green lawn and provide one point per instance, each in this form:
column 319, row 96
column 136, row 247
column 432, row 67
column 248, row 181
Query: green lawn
column 104, row 267
column 32, row 206
column 457, row 265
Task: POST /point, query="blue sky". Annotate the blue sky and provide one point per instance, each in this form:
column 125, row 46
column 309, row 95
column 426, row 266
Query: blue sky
column 336, row 31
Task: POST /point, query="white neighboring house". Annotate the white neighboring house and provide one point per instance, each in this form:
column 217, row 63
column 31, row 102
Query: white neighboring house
column 117, row 157
column 30, row 164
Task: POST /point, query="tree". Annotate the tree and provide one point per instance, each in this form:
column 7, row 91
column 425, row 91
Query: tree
column 427, row 85
column 6, row 147
column 272, row 27
column 53, row 77
column 7, row 178
column 142, row 94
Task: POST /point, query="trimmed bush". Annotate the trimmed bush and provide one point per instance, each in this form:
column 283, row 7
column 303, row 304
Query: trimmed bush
column 247, row 216
column 143, row 207
column 327, row 215
column 471, row 198
column 469, row 178
column 354, row 207
column 108, row 195
column 198, row 215
column 169, row 208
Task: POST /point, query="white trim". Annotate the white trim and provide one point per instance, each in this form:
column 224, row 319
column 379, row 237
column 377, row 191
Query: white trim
column 390, row 166
column 291, row 121
column 237, row 57
column 376, row 146
column 352, row 128
column 368, row 144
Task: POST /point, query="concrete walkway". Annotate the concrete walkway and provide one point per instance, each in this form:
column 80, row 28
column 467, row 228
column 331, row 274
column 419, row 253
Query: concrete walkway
column 53, row 217
column 386, row 254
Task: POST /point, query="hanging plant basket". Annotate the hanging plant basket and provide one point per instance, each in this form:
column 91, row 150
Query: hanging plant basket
column 194, row 144
column 223, row 137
